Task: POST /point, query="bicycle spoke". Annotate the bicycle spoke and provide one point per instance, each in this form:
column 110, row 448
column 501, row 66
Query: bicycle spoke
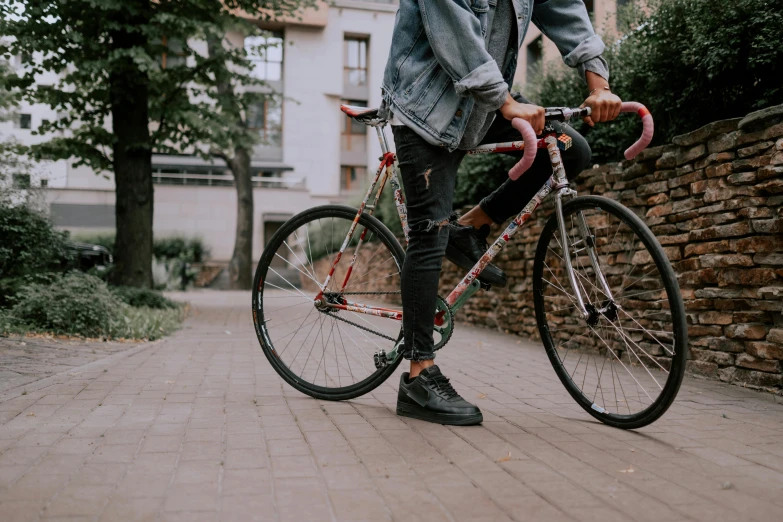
column 627, row 341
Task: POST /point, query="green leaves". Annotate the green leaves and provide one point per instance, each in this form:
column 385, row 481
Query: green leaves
column 690, row 62
column 87, row 43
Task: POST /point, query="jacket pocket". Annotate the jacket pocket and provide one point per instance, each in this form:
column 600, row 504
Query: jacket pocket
column 438, row 102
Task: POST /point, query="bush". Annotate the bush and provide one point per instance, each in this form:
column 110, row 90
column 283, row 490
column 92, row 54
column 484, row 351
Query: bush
column 690, row 62
column 81, row 304
column 75, row 303
column 30, row 244
column 479, row 175
column 11, row 287
column 188, row 250
column 142, row 297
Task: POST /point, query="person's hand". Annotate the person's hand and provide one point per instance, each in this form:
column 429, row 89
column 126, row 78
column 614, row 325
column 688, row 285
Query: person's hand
column 605, row 106
column 533, row 114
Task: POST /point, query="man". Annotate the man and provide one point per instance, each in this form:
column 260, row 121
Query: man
column 446, row 90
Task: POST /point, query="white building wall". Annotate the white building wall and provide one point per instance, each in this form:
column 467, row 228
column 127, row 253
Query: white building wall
column 313, row 82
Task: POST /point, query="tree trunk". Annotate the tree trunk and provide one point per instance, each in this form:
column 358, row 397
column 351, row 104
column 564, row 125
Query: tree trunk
column 240, row 269
column 129, row 94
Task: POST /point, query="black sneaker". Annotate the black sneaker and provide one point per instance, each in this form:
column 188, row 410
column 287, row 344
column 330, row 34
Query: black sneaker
column 466, row 246
column 430, row 397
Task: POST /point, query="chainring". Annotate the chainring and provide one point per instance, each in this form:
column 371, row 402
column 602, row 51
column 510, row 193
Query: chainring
column 444, row 316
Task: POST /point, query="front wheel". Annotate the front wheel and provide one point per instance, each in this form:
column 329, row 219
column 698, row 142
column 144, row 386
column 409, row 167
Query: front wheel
column 625, row 361
column 314, row 336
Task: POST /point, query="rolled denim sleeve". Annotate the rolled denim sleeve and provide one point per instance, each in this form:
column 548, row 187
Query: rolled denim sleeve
column 454, row 34
column 568, row 25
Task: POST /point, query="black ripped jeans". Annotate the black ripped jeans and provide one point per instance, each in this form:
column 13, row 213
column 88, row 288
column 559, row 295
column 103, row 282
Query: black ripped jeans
column 429, row 174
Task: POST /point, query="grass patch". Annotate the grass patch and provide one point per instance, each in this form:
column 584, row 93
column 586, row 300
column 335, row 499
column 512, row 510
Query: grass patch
column 148, row 323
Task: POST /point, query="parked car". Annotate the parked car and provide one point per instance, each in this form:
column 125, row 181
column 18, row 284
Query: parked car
column 87, row 256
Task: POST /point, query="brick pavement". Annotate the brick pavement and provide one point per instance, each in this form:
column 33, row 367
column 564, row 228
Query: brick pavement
column 26, row 359
column 199, row 427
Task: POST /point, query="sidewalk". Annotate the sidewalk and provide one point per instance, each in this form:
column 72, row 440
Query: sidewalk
column 199, row 427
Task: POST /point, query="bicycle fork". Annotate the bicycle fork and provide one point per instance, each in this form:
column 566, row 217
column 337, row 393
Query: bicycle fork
column 586, row 241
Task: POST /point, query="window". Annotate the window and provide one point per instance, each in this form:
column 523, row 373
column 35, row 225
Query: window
column 44, row 183
column 266, row 117
column 21, row 181
column 25, row 121
column 174, row 56
column 351, row 178
column 266, row 55
column 44, row 122
column 355, row 61
column 353, row 132
column 534, row 57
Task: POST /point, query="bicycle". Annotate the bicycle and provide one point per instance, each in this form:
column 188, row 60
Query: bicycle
column 604, row 290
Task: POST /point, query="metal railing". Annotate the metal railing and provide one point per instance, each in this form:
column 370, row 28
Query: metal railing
column 217, row 180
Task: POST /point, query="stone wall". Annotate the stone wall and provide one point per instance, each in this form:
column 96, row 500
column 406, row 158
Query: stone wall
column 713, row 198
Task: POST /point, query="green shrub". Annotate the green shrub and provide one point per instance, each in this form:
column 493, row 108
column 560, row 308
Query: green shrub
column 479, row 175
column 142, row 297
column 80, row 304
column 689, row 61
column 189, row 250
column 30, row 244
column 75, row 303
column 11, row 287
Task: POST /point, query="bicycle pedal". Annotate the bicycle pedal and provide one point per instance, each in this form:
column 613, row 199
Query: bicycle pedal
column 380, row 359
column 485, row 286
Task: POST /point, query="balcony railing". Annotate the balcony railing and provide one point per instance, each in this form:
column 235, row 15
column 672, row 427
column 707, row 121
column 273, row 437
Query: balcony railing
column 217, row 180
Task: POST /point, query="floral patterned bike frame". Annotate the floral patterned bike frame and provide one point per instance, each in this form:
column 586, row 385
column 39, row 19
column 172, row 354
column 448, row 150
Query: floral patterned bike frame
column 557, row 184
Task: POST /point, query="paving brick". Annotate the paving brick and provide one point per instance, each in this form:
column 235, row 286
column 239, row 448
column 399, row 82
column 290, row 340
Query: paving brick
column 122, row 509
column 209, row 452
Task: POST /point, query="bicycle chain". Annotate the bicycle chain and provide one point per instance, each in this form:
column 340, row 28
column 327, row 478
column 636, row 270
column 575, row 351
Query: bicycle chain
column 330, row 314
column 398, row 292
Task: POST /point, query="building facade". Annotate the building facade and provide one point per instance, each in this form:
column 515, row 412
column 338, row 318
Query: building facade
column 311, row 153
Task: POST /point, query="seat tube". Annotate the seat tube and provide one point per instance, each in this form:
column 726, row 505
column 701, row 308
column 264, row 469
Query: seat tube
column 381, row 131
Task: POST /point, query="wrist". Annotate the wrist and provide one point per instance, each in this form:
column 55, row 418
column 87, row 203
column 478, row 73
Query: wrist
column 598, row 90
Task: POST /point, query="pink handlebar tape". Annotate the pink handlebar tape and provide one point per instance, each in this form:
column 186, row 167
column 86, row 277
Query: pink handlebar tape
column 647, row 128
column 530, row 150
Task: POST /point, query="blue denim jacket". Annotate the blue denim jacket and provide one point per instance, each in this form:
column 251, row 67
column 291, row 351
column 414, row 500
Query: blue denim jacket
column 439, row 70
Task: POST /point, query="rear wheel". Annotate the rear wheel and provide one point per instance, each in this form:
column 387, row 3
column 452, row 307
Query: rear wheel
column 319, row 349
column 625, row 362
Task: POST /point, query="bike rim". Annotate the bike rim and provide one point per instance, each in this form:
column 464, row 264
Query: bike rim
column 623, row 361
column 327, row 350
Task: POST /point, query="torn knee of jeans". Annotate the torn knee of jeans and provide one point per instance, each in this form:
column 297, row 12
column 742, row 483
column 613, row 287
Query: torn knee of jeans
column 426, row 175
column 428, row 225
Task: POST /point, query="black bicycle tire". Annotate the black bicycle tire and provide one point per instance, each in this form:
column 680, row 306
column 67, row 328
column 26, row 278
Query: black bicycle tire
column 679, row 322
column 320, row 392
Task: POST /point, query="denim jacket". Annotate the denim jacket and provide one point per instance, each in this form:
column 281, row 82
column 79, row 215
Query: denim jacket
column 439, row 69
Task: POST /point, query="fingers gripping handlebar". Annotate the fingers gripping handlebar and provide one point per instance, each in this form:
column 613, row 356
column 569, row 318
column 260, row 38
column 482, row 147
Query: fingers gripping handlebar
column 529, row 135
